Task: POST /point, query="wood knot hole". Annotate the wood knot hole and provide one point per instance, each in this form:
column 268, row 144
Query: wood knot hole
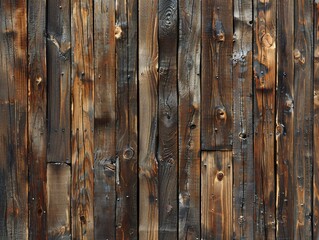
column 220, row 175
column 118, row 32
column 128, row 153
column 221, row 113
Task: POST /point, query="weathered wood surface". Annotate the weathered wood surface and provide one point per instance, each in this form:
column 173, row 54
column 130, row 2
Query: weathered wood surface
column 189, row 119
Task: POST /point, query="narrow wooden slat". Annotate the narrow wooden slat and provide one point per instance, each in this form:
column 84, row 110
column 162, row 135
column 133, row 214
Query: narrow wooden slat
column 37, row 115
column 59, row 76
column 126, row 115
column 148, row 121
column 104, row 120
column 303, row 124
column 217, row 42
column 243, row 159
column 189, row 118
column 264, row 117
column 216, row 190
column 168, row 119
column 58, row 184
column 285, row 120
column 82, row 119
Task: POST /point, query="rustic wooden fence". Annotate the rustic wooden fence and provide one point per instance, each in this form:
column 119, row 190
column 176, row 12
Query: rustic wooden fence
column 159, row 119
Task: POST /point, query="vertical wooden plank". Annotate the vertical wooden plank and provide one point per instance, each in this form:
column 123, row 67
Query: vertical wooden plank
column 37, row 116
column 243, row 159
column 168, row 119
column 82, row 119
column 126, row 133
column 316, row 125
column 13, row 121
column 303, row 110
column 216, row 189
column 264, row 120
column 58, row 184
column 104, row 120
column 217, row 45
column 189, row 118
column 59, row 76
column 285, row 120
column 148, row 121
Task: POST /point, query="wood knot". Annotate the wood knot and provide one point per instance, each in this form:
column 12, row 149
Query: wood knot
column 279, row 129
column 128, row 153
column 268, row 41
column 220, row 113
column 243, row 136
column 220, row 175
column 118, row 32
column 220, row 37
column 298, row 57
column 288, row 105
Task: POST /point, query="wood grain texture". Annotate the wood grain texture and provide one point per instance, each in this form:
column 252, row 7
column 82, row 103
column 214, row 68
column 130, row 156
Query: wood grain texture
column 285, row 120
column 59, row 189
column 217, row 45
column 189, row 119
column 104, row 120
column 126, row 115
column 59, row 79
column 37, row 119
column 168, row 119
column 264, row 117
column 243, row 160
column 303, row 124
column 148, row 119
column 13, row 121
column 82, row 119
column 216, row 198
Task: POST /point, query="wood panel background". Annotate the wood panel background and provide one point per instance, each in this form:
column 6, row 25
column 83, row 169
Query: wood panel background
column 159, row 119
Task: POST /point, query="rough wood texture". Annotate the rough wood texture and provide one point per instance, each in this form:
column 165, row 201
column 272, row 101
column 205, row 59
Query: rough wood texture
column 303, row 124
column 37, row 116
column 13, row 121
column 285, row 120
column 59, row 188
column 264, row 117
column 82, row 119
column 243, row 160
column 59, row 76
column 189, row 119
column 104, row 120
column 168, row 119
column 148, row 120
column 217, row 41
column 216, row 190
column 126, row 116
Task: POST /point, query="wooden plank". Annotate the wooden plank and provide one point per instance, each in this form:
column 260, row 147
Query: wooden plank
column 13, row 120
column 104, row 120
column 264, row 120
column 58, row 184
column 168, row 119
column 217, row 45
column 82, row 119
column 189, row 119
column 303, row 113
column 315, row 207
column 126, row 117
column 243, row 159
column 58, row 68
column 37, row 115
column 285, row 120
column 216, row 198
column 148, row 121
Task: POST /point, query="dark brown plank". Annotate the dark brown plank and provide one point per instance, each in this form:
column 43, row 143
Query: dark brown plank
column 264, row 118
column 189, row 118
column 216, row 190
column 58, row 185
column 104, row 120
column 148, row 119
column 168, row 119
column 37, row 115
column 217, row 47
column 13, row 121
column 126, row 115
column 303, row 125
column 58, row 68
column 82, row 119
column 243, row 159
column 285, row 120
